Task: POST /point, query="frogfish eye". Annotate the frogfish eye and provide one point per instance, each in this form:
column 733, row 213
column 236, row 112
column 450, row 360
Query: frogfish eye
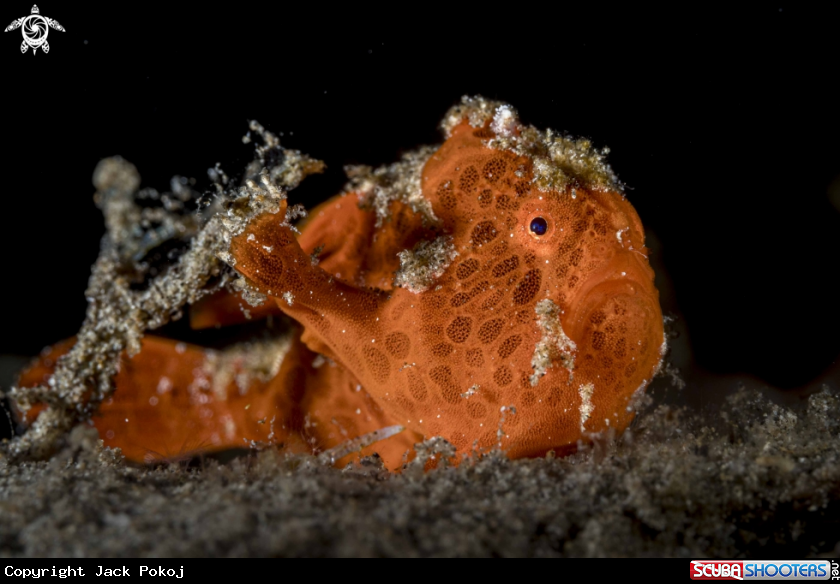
column 539, row 226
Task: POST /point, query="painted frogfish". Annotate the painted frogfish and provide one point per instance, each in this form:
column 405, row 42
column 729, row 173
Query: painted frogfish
column 494, row 291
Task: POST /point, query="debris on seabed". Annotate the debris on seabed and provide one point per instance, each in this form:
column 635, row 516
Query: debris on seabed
column 752, row 480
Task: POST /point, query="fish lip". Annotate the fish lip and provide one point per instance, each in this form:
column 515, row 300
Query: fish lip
column 600, row 285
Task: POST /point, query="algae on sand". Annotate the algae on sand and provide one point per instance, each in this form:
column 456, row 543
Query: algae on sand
column 754, row 480
column 126, row 298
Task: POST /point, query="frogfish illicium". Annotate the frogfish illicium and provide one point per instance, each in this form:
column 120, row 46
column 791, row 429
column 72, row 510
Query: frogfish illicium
column 494, row 291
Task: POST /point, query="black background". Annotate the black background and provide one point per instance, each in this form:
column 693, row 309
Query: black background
column 724, row 125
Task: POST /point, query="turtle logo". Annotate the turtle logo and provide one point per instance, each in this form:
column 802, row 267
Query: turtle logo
column 35, row 29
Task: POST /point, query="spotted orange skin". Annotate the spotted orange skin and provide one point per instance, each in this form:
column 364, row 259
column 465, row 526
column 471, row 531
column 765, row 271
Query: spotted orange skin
column 399, row 357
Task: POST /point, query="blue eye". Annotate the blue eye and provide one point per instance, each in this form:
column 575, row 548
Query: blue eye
column 539, row 226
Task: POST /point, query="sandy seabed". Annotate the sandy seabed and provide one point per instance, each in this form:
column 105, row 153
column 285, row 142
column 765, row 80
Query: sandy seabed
column 753, row 479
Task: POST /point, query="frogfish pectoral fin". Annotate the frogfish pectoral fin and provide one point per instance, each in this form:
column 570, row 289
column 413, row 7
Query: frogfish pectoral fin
column 333, row 312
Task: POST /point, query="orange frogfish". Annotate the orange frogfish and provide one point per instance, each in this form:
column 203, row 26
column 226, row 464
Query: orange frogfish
column 494, row 291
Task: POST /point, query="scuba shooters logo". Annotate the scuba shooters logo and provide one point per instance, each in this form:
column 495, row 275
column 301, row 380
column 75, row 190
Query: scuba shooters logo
column 35, row 29
column 765, row 570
